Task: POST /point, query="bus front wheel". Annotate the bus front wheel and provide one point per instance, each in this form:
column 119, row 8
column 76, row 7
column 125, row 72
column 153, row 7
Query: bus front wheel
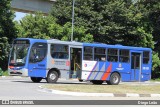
column 114, row 79
column 52, row 77
column 36, row 79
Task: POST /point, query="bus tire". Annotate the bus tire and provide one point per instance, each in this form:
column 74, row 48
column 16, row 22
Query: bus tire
column 36, row 79
column 97, row 82
column 80, row 80
column 52, row 77
column 114, row 79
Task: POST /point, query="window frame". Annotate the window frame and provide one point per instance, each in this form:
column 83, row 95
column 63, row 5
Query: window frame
column 31, row 50
column 111, row 54
column 148, row 57
column 59, row 51
column 92, row 54
column 101, row 54
column 124, row 56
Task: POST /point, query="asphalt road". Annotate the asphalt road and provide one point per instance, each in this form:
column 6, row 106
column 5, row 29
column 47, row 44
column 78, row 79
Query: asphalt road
column 17, row 88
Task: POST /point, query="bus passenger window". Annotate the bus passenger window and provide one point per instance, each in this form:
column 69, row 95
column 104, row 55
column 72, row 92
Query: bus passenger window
column 38, row 52
column 99, row 54
column 112, row 55
column 59, row 51
column 88, row 53
column 146, row 57
column 124, row 56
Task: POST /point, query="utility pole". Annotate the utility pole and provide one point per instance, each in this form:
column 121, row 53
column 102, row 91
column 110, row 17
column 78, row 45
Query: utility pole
column 72, row 19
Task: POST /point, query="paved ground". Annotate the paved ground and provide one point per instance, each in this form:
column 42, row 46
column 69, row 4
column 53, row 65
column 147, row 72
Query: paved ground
column 18, row 88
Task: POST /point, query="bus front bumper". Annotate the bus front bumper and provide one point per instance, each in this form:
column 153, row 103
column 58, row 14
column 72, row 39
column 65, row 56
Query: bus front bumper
column 19, row 72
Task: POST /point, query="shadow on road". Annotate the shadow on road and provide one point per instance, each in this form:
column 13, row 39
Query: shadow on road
column 44, row 82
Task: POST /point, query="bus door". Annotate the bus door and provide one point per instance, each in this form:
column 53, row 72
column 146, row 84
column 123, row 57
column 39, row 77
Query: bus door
column 136, row 66
column 37, row 60
column 75, row 62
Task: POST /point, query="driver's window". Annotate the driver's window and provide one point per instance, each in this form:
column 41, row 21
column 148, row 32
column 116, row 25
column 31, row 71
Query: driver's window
column 38, row 52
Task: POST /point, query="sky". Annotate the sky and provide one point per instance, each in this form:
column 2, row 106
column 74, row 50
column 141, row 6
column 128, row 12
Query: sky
column 19, row 15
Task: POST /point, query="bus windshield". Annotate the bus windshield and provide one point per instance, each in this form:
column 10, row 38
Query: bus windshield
column 18, row 54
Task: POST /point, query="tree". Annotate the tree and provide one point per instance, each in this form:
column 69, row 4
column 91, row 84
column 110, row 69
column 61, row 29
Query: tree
column 151, row 11
column 45, row 27
column 7, row 31
column 109, row 21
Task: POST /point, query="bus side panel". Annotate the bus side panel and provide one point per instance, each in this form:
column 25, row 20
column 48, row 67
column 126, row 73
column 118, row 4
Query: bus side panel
column 38, row 69
column 62, row 65
column 125, row 71
column 122, row 68
column 146, row 72
column 94, row 70
column 87, row 68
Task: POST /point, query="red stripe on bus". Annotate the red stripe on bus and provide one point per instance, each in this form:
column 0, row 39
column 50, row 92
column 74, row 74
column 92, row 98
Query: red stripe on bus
column 106, row 74
column 10, row 67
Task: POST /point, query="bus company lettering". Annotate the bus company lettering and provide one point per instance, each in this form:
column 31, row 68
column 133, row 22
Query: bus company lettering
column 145, row 68
column 60, row 62
column 120, row 67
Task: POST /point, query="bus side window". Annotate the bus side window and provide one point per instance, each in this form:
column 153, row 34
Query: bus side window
column 112, row 55
column 59, row 51
column 146, row 57
column 124, row 55
column 38, row 52
column 99, row 54
column 88, row 53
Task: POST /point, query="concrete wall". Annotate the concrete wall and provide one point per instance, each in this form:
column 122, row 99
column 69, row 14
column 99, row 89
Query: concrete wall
column 32, row 5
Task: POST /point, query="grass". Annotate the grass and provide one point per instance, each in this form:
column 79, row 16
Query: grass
column 5, row 73
column 157, row 79
column 119, row 89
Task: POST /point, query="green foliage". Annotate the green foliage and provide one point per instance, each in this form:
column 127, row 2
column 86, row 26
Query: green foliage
column 7, row 31
column 1, row 72
column 45, row 27
column 109, row 21
column 155, row 65
column 151, row 22
column 4, row 46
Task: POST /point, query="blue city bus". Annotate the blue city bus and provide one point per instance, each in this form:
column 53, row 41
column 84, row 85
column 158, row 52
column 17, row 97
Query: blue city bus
column 96, row 62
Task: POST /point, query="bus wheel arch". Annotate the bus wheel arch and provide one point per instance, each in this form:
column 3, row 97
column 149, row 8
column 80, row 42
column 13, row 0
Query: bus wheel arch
column 53, row 75
column 115, row 78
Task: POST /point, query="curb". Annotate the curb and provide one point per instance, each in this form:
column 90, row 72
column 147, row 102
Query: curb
column 16, row 77
column 95, row 94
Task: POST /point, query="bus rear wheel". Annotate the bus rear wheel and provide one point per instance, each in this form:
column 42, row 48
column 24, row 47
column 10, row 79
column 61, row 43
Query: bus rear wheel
column 114, row 79
column 36, row 79
column 52, row 77
column 97, row 82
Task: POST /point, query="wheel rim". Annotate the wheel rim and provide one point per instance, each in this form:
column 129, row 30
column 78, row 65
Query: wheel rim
column 52, row 76
column 115, row 79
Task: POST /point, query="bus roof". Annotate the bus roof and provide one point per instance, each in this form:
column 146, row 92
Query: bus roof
column 116, row 46
column 85, row 44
